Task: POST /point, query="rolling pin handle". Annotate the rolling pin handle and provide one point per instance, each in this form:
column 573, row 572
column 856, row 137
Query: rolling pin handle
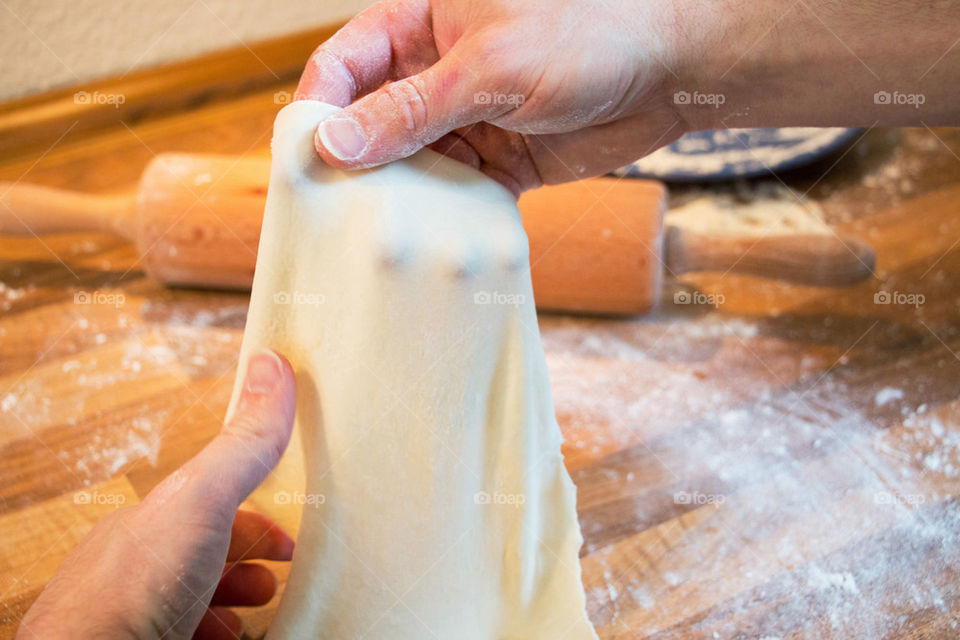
column 811, row 259
column 28, row 209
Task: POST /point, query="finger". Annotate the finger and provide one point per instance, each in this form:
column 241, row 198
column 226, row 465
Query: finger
column 502, row 155
column 219, row 624
column 245, row 585
column 210, row 487
column 253, row 439
column 377, row 44
column 601, row 148
column 257, row 536
column 458, row 148
column 403, row 116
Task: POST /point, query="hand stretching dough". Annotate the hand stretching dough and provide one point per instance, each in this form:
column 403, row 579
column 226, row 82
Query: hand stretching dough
column 436, row 503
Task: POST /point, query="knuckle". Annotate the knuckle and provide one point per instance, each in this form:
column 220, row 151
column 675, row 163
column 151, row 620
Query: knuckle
column 408, row 100
column 247, row 428
column 317, row 60
column 256, row 433
column 329, row 62
column 339, row 80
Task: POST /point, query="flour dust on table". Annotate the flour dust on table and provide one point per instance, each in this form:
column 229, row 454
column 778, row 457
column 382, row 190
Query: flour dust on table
column 426, row 456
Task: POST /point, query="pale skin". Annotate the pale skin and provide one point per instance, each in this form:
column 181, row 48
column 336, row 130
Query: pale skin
column 158, row 568
column 533, row 92
column 598, row 80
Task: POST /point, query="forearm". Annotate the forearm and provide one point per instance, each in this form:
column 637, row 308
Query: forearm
column 770, row 63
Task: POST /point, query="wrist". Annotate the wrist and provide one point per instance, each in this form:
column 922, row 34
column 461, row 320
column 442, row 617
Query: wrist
column 775, row 63
column 708, row 79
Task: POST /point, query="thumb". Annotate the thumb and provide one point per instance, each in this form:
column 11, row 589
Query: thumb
column 404, row 116
column 236, row 461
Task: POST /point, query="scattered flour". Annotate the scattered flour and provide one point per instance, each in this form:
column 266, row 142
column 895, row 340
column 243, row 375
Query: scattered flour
column 787, row 458
column 103, row 457
column 842, row 581
column 9, row 295
column 887, row 395
column 724, row 214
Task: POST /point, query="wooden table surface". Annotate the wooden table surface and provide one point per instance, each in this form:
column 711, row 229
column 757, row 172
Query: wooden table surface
column 783, row 466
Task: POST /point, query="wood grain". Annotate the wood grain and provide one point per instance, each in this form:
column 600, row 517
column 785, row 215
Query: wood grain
column 38, row 537
column 784, row 465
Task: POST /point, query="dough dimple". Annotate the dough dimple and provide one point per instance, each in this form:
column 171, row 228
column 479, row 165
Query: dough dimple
column 425, row 471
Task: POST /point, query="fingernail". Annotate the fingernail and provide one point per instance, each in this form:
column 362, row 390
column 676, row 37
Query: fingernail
column 263, row 372
column 342, row 137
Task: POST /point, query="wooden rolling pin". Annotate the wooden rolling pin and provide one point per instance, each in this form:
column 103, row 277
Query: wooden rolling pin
column 596, row 246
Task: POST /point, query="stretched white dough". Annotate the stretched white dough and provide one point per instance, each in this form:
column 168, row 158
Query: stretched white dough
column 434, row 499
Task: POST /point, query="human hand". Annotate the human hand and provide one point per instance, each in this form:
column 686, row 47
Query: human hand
column 547, row 91
column 157, row 569
column 527, row 92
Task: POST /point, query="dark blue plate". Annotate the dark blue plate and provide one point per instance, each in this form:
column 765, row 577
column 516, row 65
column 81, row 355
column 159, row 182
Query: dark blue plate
column 739, row 153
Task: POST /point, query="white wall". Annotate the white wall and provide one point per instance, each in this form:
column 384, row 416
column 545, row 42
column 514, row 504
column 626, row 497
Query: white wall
column 46, row 44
